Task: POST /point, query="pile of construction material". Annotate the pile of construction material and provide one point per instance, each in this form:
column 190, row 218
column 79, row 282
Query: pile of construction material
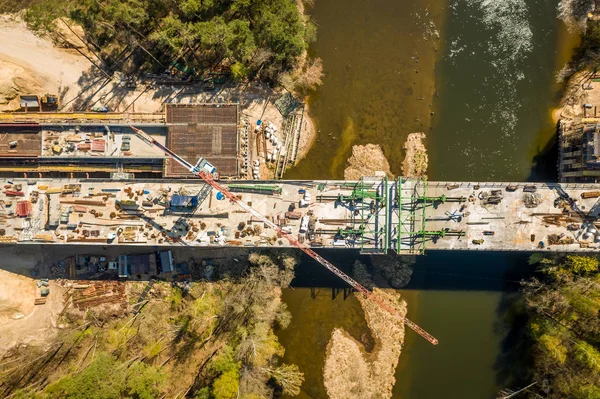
column 560, row 239
column 87, row 294
column 532, row 200
column 44, row 287
column 494, row 197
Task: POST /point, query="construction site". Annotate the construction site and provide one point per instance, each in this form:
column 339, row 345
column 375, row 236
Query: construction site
column 373, row 215
column 96, row 144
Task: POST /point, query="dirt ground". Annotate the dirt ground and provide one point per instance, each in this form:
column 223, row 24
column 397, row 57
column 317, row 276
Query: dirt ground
column 350, row 371
column 580, row 90
column 309, row 133
column 365, row 161
column 22, row 322
column 32, row 65
column 415, row 160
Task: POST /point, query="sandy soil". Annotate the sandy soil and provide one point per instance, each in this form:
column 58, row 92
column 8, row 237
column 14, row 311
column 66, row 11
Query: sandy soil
column 365, row 161
column 349, row 371
column 415, row 159
column 16, row 296
column 35, row 65
column 32, row 65
column 580, row 90
column 309, row 134
column 22, row 322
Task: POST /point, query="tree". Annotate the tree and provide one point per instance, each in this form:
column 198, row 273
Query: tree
column 226, row 386
column 99, row 380
column 239, row 71
column 288, row 377
column 554, row 347
column 564, row 327
column 588, row 356
column 582, row 264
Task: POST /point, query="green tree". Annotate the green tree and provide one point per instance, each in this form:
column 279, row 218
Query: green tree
column 565, row 329
column 239, row 71
column 100, row 380
column 288, row 377
column 144, row 381
column 226, row 386
column 554, row 347
column 582, row 264
column 588, row 356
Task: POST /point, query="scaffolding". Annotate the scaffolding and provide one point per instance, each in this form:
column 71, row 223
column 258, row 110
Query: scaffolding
column 409, row 214
column 373, row 214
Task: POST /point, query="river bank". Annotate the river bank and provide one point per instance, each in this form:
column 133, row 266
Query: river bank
column 496, row 75
column 378, row 84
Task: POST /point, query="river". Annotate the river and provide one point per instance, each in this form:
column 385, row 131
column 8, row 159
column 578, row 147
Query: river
column 484, row 93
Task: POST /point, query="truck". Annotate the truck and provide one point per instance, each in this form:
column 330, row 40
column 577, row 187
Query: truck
column 293, row 215
column 304, row 224
column 127, row 205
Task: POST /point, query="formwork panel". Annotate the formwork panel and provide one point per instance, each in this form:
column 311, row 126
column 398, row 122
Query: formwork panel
column 26, row 140
column 207, row 131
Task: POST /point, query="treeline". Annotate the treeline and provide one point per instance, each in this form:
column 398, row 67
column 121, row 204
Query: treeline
column 563, row 308
column 248, row 38
column 211, row 341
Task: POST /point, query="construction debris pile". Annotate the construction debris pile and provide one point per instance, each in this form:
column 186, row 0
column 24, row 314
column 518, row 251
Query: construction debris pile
column 532, row 200
column 89, row 294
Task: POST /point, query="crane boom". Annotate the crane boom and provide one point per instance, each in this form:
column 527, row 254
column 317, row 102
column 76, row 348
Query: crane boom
column 208, row 178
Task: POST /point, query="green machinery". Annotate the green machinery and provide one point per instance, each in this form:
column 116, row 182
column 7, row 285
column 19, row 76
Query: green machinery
column 268, row 189
column 441, row 233
column 442, row 198
column 359, row 194
column 375, row 226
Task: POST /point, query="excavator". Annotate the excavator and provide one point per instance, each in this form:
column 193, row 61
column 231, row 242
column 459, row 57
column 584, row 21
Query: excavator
column 206, row 171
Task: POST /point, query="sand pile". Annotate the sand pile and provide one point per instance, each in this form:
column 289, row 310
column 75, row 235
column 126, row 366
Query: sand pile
column 365, row 161
column 349, row 371
column 15, row 80
column 69, row 36
column 416, row 160
column 17, row 294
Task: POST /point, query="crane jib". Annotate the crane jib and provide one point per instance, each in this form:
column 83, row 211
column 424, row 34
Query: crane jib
column 303, row 247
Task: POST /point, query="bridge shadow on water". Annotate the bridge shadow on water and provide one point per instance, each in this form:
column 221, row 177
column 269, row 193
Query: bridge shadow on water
column 514, row 360
column 437, row 270
column 544, row 165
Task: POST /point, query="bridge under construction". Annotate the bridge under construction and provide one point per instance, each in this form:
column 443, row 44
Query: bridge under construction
column 375, row 215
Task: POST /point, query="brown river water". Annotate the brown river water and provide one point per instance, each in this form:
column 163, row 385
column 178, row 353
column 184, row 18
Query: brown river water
column 478, row 76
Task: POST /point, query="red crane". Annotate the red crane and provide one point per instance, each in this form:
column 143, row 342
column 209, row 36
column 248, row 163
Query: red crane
column 204, row 170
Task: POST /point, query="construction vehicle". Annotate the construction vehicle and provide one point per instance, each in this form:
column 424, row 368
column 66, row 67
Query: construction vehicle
column 207, row 173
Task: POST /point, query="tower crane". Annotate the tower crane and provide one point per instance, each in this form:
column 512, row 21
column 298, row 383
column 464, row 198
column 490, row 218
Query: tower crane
column 204, row 170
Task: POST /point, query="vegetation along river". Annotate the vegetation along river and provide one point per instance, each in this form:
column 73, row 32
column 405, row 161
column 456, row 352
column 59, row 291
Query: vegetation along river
column 483, row 92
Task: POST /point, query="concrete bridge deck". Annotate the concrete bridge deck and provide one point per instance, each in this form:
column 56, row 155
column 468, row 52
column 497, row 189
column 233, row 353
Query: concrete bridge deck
column 374, row 215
